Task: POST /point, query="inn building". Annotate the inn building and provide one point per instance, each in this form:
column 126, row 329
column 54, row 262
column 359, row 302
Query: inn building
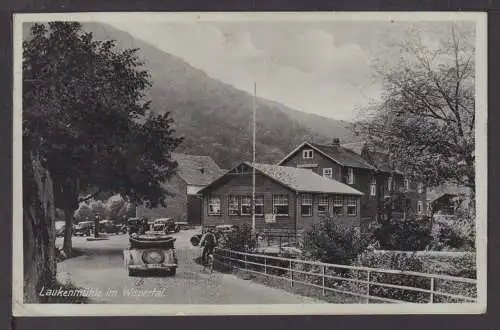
column 288, row 199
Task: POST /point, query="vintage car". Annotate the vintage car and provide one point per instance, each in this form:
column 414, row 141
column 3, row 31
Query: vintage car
column 150, row 254
column 182, row 225
column 109, row 227
column 84, row 228
column 165, row 225
column 136, row 226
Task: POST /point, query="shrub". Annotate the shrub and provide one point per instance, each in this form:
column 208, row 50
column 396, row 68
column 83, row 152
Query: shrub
column 413, row 234
column 330, row 242
column 397, row 261
column 456, row 234
column 241, row 239
column 461, row 266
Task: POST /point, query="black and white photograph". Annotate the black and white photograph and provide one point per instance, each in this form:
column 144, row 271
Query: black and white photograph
column 249, row 163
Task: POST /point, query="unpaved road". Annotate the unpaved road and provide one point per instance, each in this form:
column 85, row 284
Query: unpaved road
column 101, row 269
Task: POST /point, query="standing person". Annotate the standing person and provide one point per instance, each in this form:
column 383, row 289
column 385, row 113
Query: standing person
column 96, row 225
column 209, row 242
column 144, row 227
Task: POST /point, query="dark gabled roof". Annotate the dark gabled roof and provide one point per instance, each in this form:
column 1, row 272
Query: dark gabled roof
column 299, row 179
column 380, row 160
column 196, row 170
column 376, row 158
column 343, row 156
column 357, row 146
column 446, row 189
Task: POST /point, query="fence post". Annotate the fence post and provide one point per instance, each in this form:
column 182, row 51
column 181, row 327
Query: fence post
column 291, row 274
column 368, row 279
column 431, row 300
column 265, row 264
column 323, row 279
column 245, row 260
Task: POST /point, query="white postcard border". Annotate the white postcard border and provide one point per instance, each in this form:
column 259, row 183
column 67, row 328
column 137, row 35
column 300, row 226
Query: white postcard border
column 22, row 309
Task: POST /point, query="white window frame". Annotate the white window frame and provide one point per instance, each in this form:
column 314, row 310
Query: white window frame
column 328, row 172
column 246, row 201
column 389, row 183
column 338, row 202
column 323, row 202
column 306, row 200
column 307, row 154
column 373, row 187
column 281, row 200
column 407, row 184
column 350, row 175
column 352, row 201
column 259, row 201
column 420, row 188
column 211, row 200
column 232, row 208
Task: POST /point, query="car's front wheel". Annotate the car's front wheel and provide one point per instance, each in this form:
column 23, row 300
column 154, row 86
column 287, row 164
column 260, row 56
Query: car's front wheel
column 172, row 271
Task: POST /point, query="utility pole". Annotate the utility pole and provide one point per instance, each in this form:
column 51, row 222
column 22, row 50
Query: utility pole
column 254, row 231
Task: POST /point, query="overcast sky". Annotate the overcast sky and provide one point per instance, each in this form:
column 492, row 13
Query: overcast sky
column 316, row 67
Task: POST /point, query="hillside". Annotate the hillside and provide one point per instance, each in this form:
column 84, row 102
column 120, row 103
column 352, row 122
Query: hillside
column 215, row 118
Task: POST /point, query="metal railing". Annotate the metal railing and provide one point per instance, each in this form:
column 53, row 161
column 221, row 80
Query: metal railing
column 383, row 285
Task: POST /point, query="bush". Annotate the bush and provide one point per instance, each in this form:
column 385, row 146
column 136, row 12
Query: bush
column 333, row 243
column 461, row 266
column 412, row 234
column 397, row 261
column 241, row 239
column 455, row 234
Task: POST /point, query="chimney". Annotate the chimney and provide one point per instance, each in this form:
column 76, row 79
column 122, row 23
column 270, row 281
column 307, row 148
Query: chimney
column 336, row 142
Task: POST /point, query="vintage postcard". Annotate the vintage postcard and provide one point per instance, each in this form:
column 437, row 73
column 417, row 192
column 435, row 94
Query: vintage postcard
column 249, row 163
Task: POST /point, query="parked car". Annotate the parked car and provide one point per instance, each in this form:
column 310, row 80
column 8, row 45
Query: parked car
column 136, row 225
column 165, row 225
column 109, row 227
column 150, row 254
column 182, row 224
column 84, row 228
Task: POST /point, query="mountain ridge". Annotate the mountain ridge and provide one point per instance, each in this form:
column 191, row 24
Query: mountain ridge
column 215, row 117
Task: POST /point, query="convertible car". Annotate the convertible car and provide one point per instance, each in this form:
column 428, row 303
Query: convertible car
column 150, row 254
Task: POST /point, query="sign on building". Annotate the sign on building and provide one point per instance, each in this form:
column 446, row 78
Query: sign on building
column 270, row 218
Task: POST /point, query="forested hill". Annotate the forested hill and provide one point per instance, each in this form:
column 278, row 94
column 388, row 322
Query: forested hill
column 216, row 118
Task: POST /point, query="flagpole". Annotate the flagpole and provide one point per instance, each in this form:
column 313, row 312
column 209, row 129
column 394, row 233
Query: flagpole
column 253, row 167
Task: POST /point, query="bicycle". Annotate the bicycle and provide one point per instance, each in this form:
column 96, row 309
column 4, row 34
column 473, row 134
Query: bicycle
column 209, row 264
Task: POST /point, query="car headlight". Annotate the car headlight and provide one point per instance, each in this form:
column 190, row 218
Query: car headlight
column 153, row 257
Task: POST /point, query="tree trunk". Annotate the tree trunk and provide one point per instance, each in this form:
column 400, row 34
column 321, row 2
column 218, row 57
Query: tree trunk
column 38, row 229
column 68, row 231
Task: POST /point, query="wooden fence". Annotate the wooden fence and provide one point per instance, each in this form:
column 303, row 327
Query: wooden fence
column 370, row 284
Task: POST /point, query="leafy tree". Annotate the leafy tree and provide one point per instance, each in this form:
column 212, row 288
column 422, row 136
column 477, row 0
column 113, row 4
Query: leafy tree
column 84, row 212
column 114, row 208
column 85, row 112
column 397, row 228
column 426, row 117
